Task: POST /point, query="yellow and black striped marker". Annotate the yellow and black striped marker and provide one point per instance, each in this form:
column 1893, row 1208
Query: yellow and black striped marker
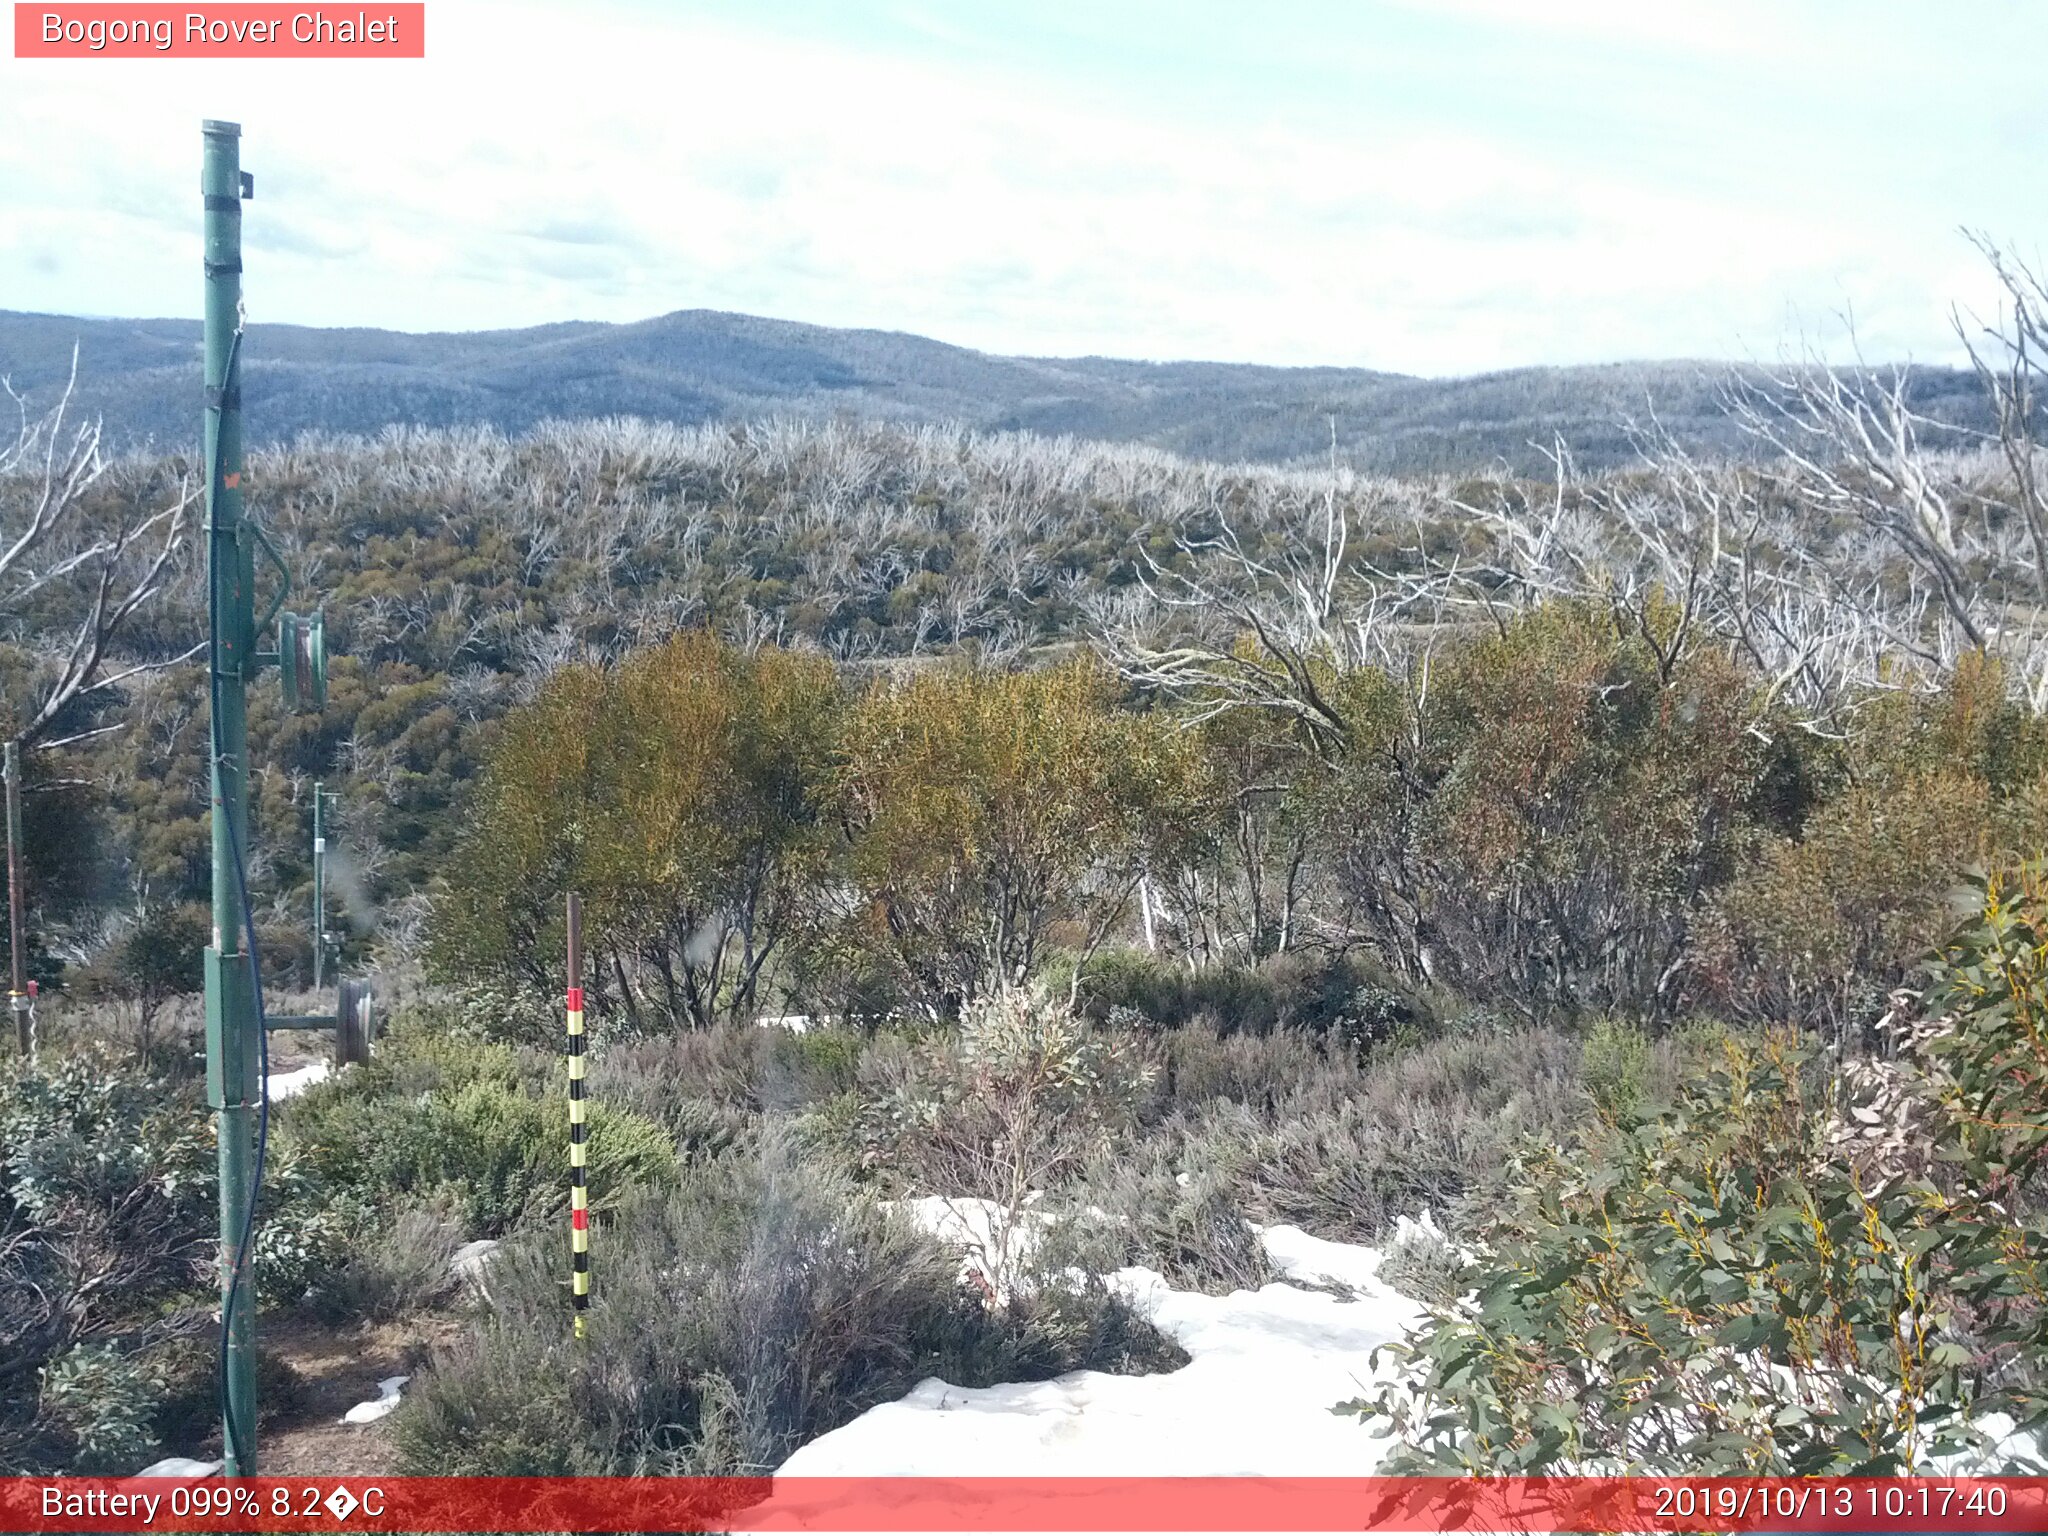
column 579, row 1192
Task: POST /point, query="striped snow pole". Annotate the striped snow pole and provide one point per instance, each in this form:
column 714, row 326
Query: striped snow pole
column 579, row 1194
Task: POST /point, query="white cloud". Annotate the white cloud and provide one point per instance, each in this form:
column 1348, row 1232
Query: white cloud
column 546, row 164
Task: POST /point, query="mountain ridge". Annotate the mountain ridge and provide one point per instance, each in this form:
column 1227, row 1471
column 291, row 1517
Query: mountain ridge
column 697, row 365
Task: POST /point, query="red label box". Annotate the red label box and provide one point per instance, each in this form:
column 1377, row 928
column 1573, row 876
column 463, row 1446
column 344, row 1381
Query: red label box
column 114, row 31
column 1663, row 1506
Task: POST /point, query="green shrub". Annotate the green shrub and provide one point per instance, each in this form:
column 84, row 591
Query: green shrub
column 1534, row 828
column 500, row 1014
column 106, row 1227
column 702, row 776
column 738, row 1070
column 755, row 1304
column 1006, row 1107
column 1617, row 1057
column 1173, row 1205
column 815, row 1064
column 723, row 1066
column 1727, row 1286
column 1823, row 919
column 1419, row 1128
column 989, row 811
column 1423, row 1265
column 500, row 1154
column 306, row 1228
column 104, row 1402
column 1198, row 1064
column 1989, row 984
column 188, row 1366
column 1820, row 927
column 1316, row 994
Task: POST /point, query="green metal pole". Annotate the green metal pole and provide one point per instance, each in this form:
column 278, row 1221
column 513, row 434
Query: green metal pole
column 231, row 1026
column 319, row 885
column 17, row 945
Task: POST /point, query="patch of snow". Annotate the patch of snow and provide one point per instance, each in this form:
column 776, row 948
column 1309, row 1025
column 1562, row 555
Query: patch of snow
column 1418, row 1228
column 387, row 1399
column 993, row 1246
column 1319, row 1261
column 1265, row 1368
column 2012, row 1453
column 285, row 1085
column 469, row 1261
column 1254, row 1399
column 180, row 1466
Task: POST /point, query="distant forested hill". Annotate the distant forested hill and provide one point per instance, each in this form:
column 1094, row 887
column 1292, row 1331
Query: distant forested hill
column 702, row 365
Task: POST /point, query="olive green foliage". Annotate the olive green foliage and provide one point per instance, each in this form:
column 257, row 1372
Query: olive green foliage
column 1828, row 916
column 708, row 804
column 1348, row 997
column 712, row 1083
column 396, row 1265
column 1616, row 1056
column 1233, row 860
column 104, row 1402
column 1537, row 825
column 1574, row 816
column 66, row 854
column 1138, row 1205
column 1758, row 1279
column 758, row 1302
column 1989, row 988
column 1296, row 1128
column 498, row 1012
column 986, row 806
column 683, row 796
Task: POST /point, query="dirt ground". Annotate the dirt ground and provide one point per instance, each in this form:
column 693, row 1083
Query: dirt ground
column 337, row 1366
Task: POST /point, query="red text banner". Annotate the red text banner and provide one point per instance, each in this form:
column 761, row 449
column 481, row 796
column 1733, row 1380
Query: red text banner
column 929, row 1504
column 104, row 31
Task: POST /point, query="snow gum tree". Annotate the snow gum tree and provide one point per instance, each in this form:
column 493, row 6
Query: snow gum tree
column 683, row 795
column 987, row 806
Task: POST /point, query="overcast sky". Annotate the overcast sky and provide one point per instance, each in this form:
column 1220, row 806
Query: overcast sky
column 1432, row 186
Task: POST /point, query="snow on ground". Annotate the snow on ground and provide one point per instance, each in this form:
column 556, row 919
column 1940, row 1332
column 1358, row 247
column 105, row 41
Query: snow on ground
column 283, row 1085
column 1318, row 1261
column 385, row 1402
column 471, row 1260
column 991, row 1245
column 1266, row 1367
column 2012, row 1452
